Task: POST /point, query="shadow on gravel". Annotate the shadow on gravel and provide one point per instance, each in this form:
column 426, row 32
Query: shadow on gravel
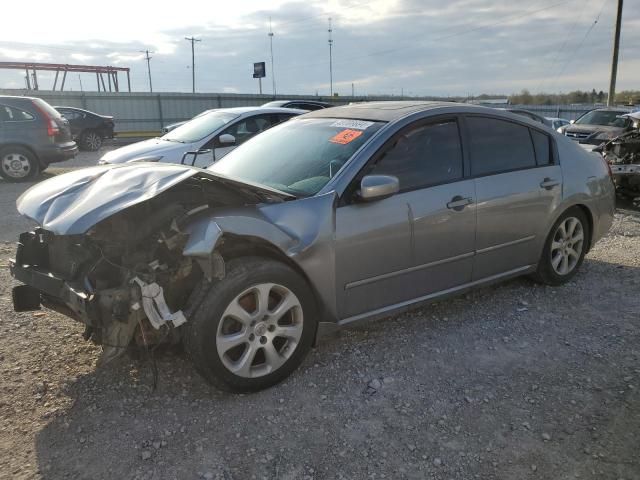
column 510, row 381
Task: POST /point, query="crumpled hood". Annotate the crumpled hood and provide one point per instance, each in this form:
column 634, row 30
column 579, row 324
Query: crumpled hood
column 72, row 203
column 146, row 148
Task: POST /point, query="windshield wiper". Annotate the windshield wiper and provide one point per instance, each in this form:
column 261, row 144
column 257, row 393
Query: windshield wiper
column 173, row 140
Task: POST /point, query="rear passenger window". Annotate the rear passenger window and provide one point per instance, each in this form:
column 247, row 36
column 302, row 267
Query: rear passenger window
column 542, row 146
column 423, row 156
column 11, row 114
column 499, row 146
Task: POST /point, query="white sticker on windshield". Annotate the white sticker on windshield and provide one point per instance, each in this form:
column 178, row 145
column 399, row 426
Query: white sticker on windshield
column 357, row 124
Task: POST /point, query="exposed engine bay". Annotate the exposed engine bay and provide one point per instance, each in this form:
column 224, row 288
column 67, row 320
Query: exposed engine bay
column 623, row 156
column 129, row 277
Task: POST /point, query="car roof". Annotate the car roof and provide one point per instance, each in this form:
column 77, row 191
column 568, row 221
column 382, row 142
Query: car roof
column 248, row 111
column 74, row 108
column 392, row 110
column 313, row 102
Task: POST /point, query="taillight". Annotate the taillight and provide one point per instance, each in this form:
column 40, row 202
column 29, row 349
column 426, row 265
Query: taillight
column 52, row 126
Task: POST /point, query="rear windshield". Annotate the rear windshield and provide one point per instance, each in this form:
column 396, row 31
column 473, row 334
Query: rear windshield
column 42, row 105
column 200, row 127
column 606, row 118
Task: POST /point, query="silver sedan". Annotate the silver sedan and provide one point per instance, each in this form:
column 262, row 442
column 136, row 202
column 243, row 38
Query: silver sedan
column 333, row 217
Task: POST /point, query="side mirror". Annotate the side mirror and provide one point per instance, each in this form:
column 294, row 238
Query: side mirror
column 227, row 139
column 377, row 187
column 572, row 122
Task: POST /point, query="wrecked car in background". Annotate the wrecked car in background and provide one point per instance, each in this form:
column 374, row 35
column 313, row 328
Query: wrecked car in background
column 340, row 215
column 623, row 156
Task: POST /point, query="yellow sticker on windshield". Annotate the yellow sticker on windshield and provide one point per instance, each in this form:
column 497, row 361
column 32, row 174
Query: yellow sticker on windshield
column 345, row 136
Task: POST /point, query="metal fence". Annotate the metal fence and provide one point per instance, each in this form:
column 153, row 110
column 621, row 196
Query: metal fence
column 149, row 112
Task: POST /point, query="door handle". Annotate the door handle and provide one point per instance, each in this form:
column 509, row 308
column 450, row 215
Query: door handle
column 458, row 203
column 549, row 183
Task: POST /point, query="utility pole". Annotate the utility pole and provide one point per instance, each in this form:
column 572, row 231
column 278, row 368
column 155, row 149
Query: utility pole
column 80, row 80
column 193, row 40
column 273, row 72
column 614, row 60
column 148, row 58
column 353, row 91
column 330, row 59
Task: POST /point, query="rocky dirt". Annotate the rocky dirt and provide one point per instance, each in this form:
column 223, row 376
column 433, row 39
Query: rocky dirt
column 514, row 381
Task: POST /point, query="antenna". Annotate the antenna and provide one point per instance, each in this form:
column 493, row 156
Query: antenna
column 273, row 72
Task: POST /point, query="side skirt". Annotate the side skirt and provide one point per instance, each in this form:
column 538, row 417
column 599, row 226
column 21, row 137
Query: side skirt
column 426, row 299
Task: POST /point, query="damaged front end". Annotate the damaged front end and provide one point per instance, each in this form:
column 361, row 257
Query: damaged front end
column 131, row 274
column 623, row 156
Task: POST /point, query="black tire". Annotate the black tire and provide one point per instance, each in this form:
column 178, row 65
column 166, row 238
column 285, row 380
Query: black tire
column 546, row 273
column 90, row 140
column 202, row 328
column 9, row 159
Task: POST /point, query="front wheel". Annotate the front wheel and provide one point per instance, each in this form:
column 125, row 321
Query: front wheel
column 564, row 249
column 255, row 326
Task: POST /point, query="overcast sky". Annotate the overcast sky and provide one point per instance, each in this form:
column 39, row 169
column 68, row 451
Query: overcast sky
column 421, row 47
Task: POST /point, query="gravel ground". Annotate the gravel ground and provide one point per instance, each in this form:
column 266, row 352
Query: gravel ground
column 514, row 381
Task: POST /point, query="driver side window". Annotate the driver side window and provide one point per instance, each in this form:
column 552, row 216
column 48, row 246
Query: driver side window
column 246, row 129
column 422, row 156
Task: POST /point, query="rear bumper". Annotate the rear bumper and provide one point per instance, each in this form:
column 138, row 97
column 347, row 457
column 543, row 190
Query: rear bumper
column 57, row 153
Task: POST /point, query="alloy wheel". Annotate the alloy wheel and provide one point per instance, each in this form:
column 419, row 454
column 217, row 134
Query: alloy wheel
column 259, row 330
column 93, row 141
column 567, row 245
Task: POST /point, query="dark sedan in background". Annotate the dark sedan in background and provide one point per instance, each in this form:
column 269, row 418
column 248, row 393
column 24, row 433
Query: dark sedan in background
column 32, row 135
column 89, row 129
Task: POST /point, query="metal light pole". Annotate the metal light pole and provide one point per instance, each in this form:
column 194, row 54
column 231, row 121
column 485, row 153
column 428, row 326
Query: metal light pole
column 148, row 58
column 193, row 40
column 273, row 72
column 614, row 60
column 330, row 59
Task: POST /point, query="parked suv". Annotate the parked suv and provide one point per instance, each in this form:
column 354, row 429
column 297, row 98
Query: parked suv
column 88, row 128
column 32, row 135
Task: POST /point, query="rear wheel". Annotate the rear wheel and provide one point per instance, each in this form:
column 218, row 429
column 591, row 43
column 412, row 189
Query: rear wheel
column 255, row 326
column 564, row 249
column 90, row 140
column 17, row 164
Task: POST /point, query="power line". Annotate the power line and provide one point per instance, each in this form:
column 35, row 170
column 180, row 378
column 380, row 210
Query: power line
column 462, row 30
column 573, row 53
column 148, row 59
column 193, row 61
column 564, row 44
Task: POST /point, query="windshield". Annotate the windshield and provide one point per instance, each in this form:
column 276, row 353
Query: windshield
column 199, row 127
column 606, row 118
column 298, row 157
